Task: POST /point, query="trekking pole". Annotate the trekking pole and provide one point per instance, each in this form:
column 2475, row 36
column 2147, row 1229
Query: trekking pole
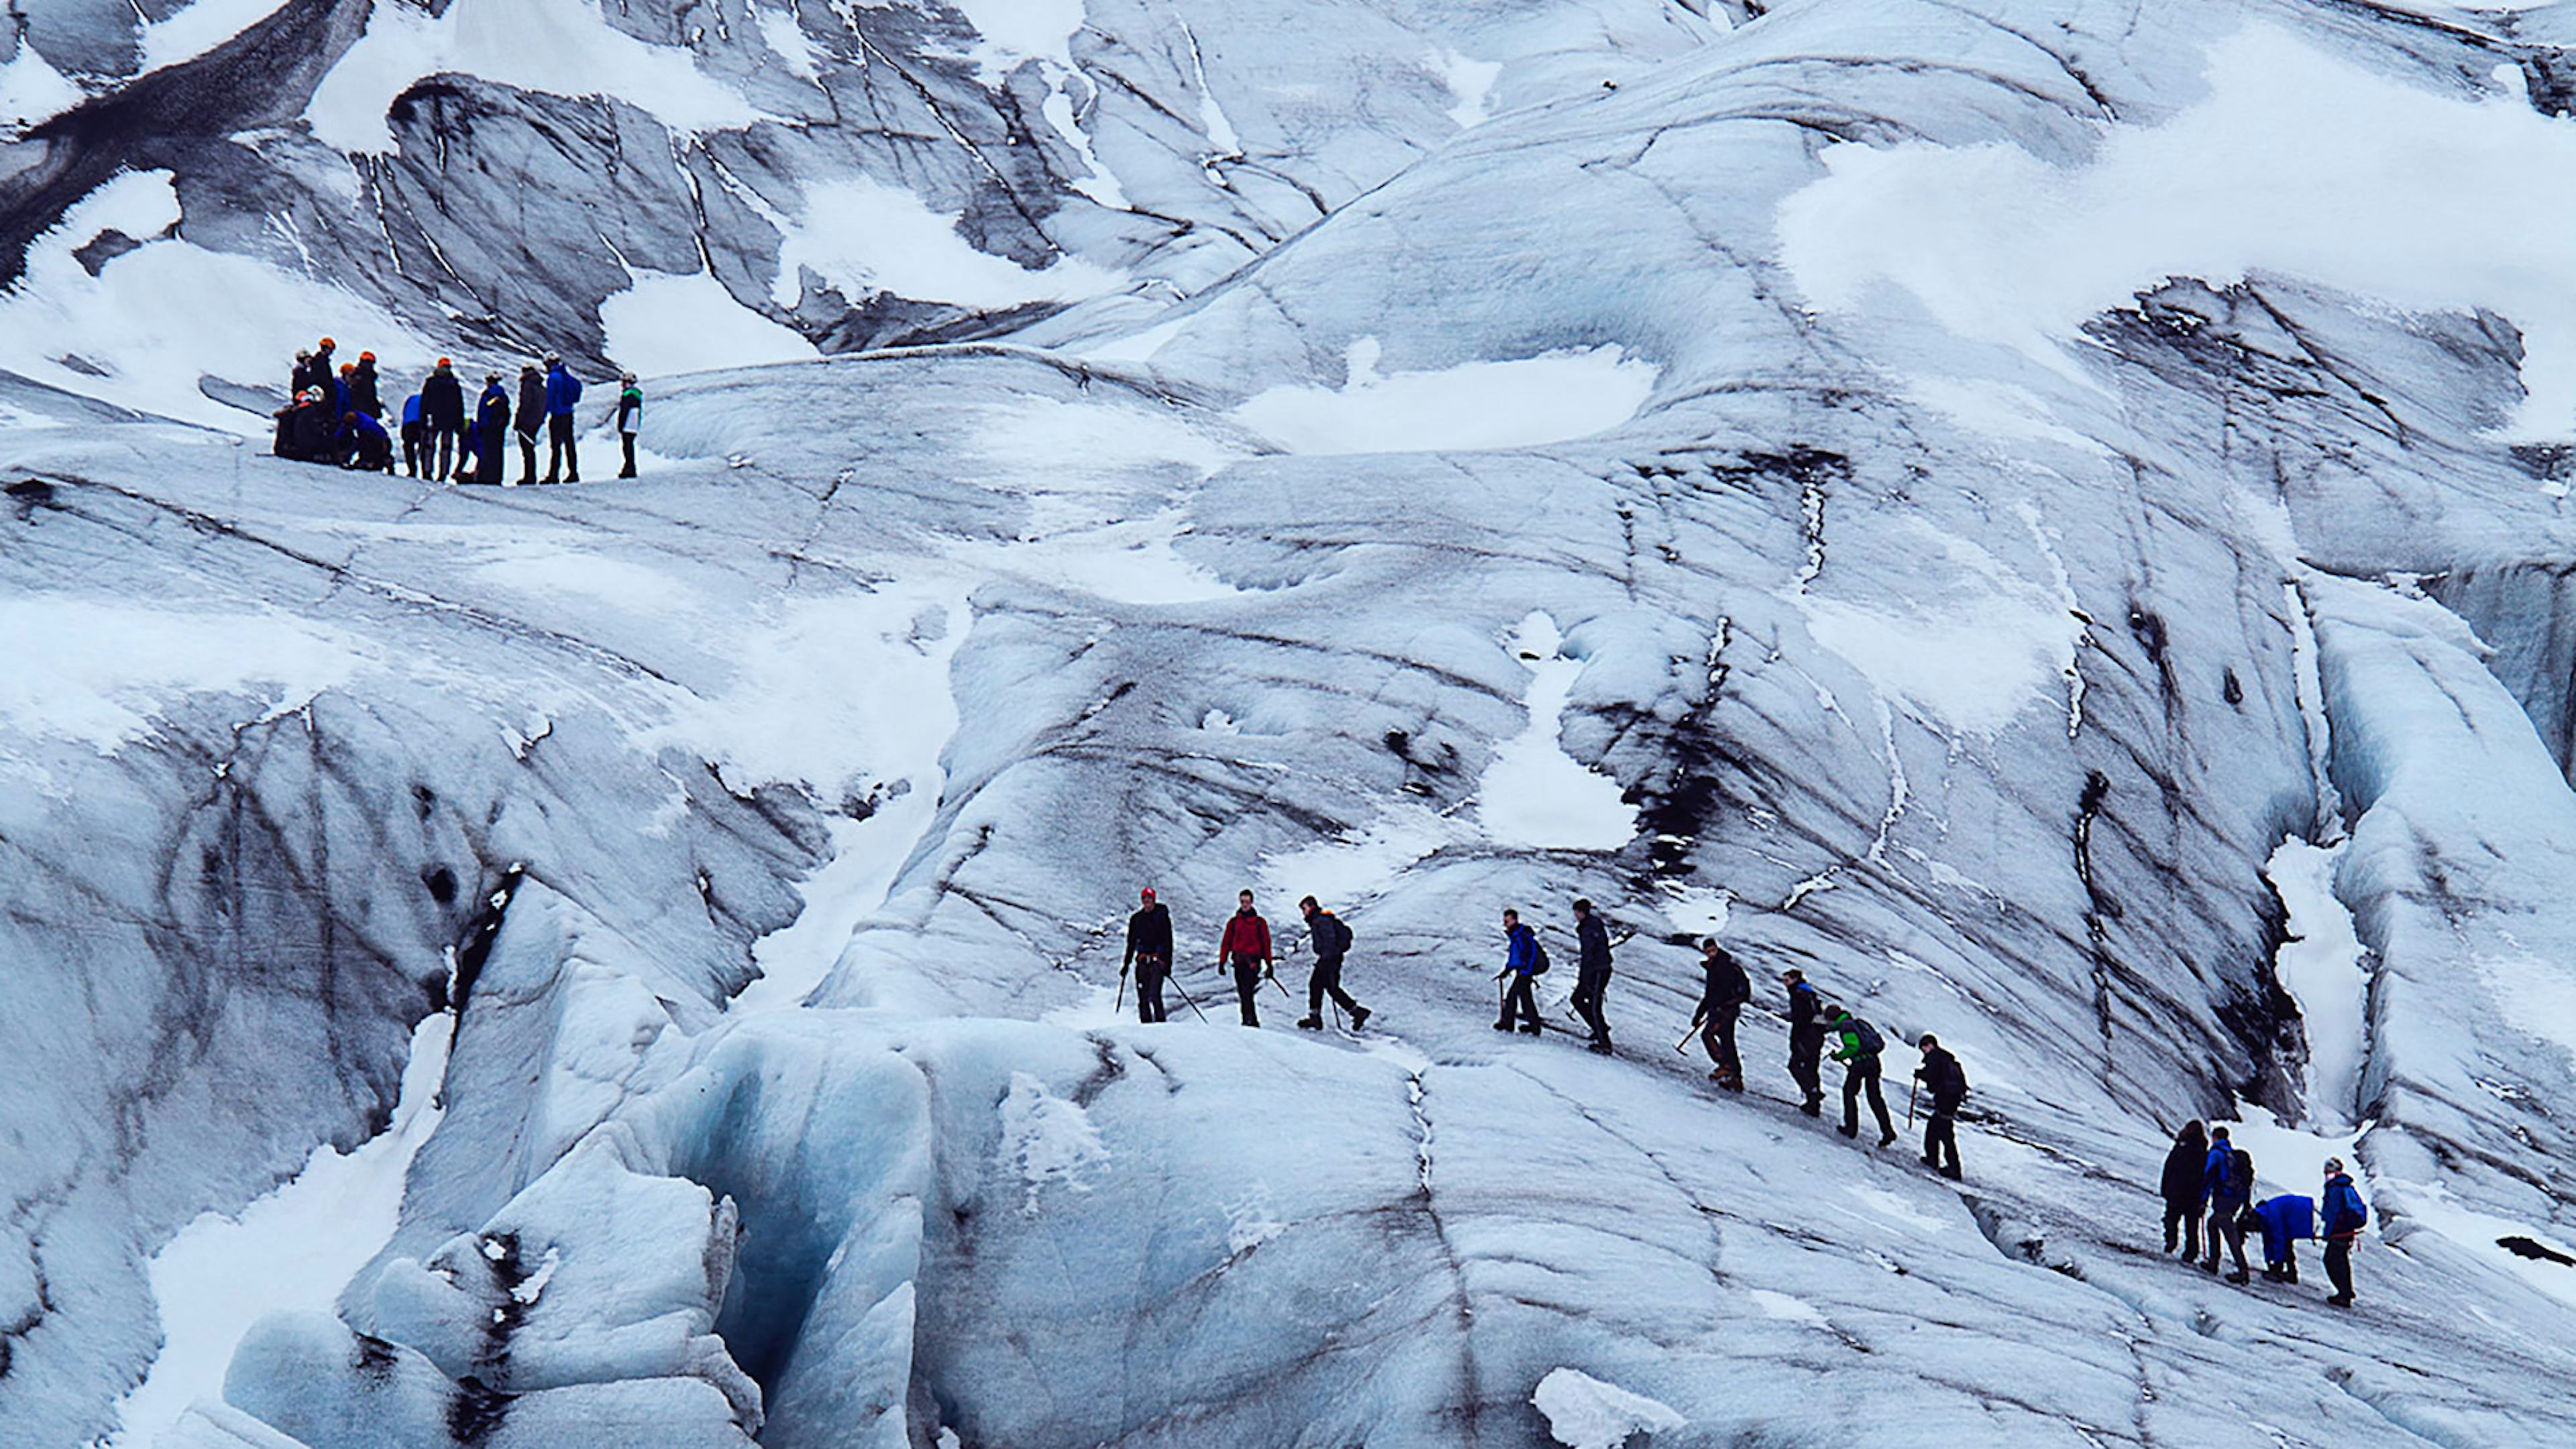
column 1173, row 980
column 1118, row 1003
column 1909, row 1103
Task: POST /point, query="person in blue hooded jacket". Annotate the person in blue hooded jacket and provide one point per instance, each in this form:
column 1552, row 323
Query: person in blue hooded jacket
column 563, row 394
column 363, row 444
column 2345, row 1215
column 1520, row 966
column 2286, row 1218
column 412, row 434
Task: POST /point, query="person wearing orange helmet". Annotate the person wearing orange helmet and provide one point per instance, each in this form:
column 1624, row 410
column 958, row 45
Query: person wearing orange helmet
column 442, row 418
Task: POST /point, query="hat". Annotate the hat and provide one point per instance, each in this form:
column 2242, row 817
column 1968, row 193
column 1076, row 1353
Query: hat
column 444, row 364
column 625, row 377
column 1149, row 893
column 328, row 344
column 492, row 377
column 303, row 353
column 2334, row 1164
column 553, row 357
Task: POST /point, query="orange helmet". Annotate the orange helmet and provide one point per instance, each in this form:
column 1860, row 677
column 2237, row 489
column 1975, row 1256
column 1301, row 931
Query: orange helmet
column 348, row 367
column 366, row 357
column 328, row 344
column 443, row 362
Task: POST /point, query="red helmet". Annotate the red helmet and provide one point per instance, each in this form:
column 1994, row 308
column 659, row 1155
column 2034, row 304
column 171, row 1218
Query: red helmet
column 443, row 362
column 1149, row 893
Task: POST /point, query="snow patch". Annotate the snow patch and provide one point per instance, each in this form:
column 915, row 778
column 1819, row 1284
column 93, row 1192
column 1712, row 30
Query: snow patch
column 1585, row 1413
column 1363, row 863
column 1013, row 31
column 1250, row 1221
column 2321, row 966
column 200, row 26
column 32, row 91
column 666, row 323
column 559, row 47
column 1051, row 1139
column 1471, row 82
column 1998, row 410
column 863, row 237
column 1550, row 398
column 1534, row 794
column 2297, row 162
column 1699, row 910
column 95, row 672
column 2432, row 1205
column 293, row 1249
column 788, row 40
column 1786, row 1308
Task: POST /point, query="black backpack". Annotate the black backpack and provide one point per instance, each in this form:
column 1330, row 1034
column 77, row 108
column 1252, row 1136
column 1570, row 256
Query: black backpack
column 1341, row 935
column 1538, row 955
column 1871, row 1043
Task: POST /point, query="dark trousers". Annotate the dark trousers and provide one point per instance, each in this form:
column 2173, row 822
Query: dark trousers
column 1247, row 988
column 2182, row 1226
column 1859, row 1073
column 1150, row 971
column 1717, row 1033
column 1806, row 1054
column 2226, row 1230
column 1589, row 987
column 411, row 449
column 561, row 457
column 441, row 451
column 627, row 441
column 527, row 459
column 1518, row 1006
column 1940, row 1136
column 2339, row 1265
column 1326, row 980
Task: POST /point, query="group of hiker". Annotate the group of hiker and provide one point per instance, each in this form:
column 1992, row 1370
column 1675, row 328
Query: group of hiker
column 2209, row 1186
column 1245, row 949
column 337, row 417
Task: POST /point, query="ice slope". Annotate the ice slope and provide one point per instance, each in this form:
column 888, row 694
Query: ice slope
column 1956, row 668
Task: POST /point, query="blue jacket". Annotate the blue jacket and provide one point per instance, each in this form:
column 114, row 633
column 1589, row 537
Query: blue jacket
column 2345, row 1211
column 2219, row 1175
column 1522, row 953
column 2286, row 1219
column 411, row 410
column 563, row 391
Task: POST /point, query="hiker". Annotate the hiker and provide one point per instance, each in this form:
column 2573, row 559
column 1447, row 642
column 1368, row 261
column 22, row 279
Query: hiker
column 1332, row 941
column 1246, row 948
column 301, row 378
column 630, row 417
column 442, row 419
column 2345, row 1215
column 320, row 371
column 530, row 421
column 1722, row 996
column 1858, row 1053
column 1806, row 1040
column 2186, row 1189
column 344, row 390
column 304, row 430
column 364, row 393
column 1940, row 1070
column 2286, row 1218
column 363, row 444
column 411, row 436
column 491, row 425
column 1591, row 973
column 1149, row 950
column 563, row 394
column 1523, row 960
column 2229, row 1177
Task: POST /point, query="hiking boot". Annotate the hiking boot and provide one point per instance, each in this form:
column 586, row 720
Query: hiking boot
column 1529, row 1031
column 1951, row 1172
column 1932, row 1162
column 1848, row 1131
column 2340, row 1300
column 1601, row 1047
column 1359, row 1017
column 1310, row 1023
column 1813, row 1106
column 2240, row 1276
column 1717, row 1074
column 1502, row 1026
column 1888, row 1140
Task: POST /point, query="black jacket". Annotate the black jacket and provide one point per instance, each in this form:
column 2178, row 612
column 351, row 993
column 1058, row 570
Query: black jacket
column 1941, row 1072
column 442, row 403
column 1726, row 984
column 362, row 390
column 1149, row 933
column 1806, row 1011
column 1330, row 938
column 532, row 421
column 309, row 432
column 1592, row 945
column 2183, row 1168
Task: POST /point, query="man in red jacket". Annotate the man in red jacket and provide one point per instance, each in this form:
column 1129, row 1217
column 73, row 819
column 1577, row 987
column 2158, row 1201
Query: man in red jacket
column 1246, row 948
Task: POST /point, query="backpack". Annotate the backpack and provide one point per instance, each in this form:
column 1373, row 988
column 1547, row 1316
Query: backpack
column 1871, row 1043
column 1538, row 955
column 2240, row 1171
column 1341, row 935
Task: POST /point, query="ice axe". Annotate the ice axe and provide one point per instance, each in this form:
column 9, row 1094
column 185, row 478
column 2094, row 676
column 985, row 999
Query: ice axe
column 1118, row 1003
column 1909, row 1103
column 1174, row 981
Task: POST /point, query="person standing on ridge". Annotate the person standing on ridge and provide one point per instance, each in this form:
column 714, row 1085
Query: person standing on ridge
column 2346, row 1214
column 530, row 421
column 1591, row 973
column 2186, row 1189
column 1949, row 1083
column 1524, row 959
column 1246, row 948
column 1858, row 1053
column 2229, row 1177
column 1723, row 992
column 1332, row 941
column 563, row 394
column 630, row 417
column 491, row 425
column 1149, row 950
column 1806, row 1040
column 442, row 418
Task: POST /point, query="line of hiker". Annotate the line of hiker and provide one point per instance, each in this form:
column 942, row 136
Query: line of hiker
column 2209, row 1186
column 1245, row 950
column 337, row 418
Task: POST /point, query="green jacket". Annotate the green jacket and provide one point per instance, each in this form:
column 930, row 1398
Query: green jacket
column 1851, row 1049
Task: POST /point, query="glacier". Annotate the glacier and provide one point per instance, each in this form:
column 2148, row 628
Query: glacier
column 2047, row 515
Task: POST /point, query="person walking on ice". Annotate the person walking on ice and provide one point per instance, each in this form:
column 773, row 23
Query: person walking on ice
column 1246, row 948
column 1806, row 1040
column 2229, row 1178
column 2186, row 1189
column 530, row 420
column 1858, row 1053
column 2346, row 1214
column 1523, row 960
column 1591, row 973
column 1949, row 1083
column 1332, row 942
column 630, row 418
column 1149, row 950
column 1723, row 992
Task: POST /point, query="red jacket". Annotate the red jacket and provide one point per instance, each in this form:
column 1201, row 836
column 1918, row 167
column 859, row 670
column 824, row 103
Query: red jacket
column 1246, row 935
